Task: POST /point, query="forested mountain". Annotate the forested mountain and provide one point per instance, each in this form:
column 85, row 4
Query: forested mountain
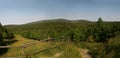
column 106, row 33
column 72, row 29
column 48, row 28
column 50, row 20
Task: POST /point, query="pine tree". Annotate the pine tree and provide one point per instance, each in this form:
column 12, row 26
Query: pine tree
column 100, row 23
column 100, row 34
column 1, row 30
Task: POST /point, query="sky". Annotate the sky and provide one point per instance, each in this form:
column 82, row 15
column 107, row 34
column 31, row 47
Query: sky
column 24, row 11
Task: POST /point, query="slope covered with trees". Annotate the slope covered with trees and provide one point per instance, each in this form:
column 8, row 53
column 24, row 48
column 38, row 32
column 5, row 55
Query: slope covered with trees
column 102, row 37
column 68, row 29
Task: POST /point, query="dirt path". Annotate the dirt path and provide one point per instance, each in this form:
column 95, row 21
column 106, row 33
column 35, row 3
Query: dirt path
column 54, row 56
column 20, row 40
column 84, row 53
column 57, row 55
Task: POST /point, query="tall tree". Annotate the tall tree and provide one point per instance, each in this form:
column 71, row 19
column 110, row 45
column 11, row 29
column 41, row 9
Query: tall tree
column 1, row 30
column 100, row 23
column 100, row 34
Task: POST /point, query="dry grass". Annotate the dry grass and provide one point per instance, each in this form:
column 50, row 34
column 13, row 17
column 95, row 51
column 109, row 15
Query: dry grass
column 66, row 50
column 29, row 49
column 20, row 41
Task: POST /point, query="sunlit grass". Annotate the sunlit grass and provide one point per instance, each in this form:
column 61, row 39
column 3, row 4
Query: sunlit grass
column 28, row 49
column 67, row 50
column 70, row 51
column 20, row 41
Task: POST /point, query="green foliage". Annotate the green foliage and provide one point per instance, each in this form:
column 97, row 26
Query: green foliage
column 110, row 49
column 73, row 30
column 66, row 50
column 70, row 51
column 113, row 47
column 7, row 35
column 1, row 30
column 100, row 23
column 4, row 34
column 102, row 35
column 105, row 30
column 99, row 32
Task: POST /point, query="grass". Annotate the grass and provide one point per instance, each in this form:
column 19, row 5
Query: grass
column 20, row 41
column 109, row 49
column 70, row 51
column 13, row 52
column 27, row 50
column 67, row 49
column 47, row 52
column 17, row 41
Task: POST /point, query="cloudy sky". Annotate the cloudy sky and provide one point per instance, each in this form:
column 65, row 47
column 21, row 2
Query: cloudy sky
column 24, row 11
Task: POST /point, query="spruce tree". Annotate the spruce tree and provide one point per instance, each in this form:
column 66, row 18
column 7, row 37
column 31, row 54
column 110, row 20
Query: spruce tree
column 1, row 30
column 100, row 31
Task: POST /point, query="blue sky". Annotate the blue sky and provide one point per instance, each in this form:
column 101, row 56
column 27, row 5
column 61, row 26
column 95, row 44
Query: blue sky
column 24, row 11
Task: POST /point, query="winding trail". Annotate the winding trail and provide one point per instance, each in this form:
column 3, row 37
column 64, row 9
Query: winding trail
column 84, row 53
column 55, row 55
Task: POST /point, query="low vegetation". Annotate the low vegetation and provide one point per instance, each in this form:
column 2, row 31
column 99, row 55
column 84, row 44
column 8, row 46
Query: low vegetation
column 102, row 39
column 66, row 50
column 4, row 34
column 27, row 49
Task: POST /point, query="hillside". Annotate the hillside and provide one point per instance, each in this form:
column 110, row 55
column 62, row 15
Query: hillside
column 44, row 49
column 43, row 22
column 79, row 37
column 58, row 28
column 51, row 20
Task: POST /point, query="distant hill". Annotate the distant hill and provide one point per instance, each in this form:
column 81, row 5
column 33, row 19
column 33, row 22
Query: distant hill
column 82, row 21
column 50, row 20
column 56, row 28
column 37, row 24
column 59, row 20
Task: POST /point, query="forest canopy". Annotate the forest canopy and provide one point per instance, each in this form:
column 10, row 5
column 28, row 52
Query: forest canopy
column 5, row 34
column 75, row 30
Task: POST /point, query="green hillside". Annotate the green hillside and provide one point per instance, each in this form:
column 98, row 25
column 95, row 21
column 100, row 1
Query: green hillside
column 101, row 38
column 63, row 28
column 48, row 28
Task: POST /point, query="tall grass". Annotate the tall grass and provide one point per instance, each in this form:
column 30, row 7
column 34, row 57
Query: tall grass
column 67, row 50
column 70, row 51
column 28, row 49
column 14, row 52
column 110, row 49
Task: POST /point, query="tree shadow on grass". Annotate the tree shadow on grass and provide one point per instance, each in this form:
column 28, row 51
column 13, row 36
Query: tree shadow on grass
column 6, row 43
column 3, row 51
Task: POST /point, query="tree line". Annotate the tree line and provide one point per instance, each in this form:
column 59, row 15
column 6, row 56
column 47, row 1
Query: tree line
column 5, row 34
column 105, row 33
column 75, row 31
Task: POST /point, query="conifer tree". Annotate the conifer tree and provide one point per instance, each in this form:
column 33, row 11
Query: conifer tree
column 1, row 30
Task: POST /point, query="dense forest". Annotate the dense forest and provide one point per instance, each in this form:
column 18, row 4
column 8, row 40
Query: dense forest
column 5, row 34
column 107, row 33
column 66, row 29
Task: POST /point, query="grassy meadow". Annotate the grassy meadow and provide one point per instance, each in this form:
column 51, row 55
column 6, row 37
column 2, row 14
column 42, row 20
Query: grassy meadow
column 59, row 49
column 70, row 39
